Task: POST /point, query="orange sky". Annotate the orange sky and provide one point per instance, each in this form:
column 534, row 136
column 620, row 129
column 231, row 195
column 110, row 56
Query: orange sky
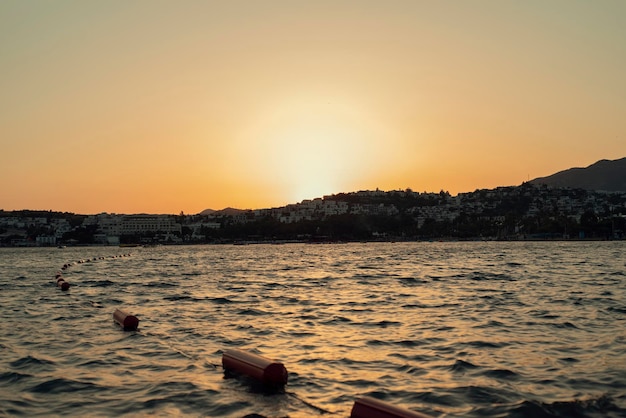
column 161, row 107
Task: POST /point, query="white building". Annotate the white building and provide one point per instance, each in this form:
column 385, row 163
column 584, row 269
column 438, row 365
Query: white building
column 116, row 225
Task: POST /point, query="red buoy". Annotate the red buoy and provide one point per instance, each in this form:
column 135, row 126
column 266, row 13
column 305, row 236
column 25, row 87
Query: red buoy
column 62, row 284
column 267, row 371
column 126, row 321
column 367, row 407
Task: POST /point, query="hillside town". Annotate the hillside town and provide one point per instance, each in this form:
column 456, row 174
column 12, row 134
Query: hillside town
column 526, row 212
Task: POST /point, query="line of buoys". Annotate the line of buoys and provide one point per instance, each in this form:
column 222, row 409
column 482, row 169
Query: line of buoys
column 367, row 407
column 62, row 283
column 266, row 371
column 126, row 321
column 88, row 260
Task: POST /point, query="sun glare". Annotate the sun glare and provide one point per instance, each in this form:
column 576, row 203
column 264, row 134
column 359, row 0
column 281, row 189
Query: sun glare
column 317, row 158
column 312, row 149
column 312, row 164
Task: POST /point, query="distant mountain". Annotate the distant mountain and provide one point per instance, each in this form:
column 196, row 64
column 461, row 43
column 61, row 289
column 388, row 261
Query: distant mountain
column 605, row 175
column 225, row 211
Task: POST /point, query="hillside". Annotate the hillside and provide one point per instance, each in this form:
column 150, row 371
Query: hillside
column 605, row 175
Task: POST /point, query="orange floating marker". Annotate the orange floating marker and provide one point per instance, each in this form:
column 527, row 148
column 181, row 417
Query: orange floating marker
column 264, row 370
column 126, row 321
column 62, row 284
column 367, row 407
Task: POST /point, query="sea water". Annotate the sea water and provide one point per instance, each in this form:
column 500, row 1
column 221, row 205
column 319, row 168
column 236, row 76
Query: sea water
column 466, row 329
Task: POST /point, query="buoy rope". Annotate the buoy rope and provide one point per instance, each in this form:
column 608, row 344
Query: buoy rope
column 309, row 404
column 172, row 347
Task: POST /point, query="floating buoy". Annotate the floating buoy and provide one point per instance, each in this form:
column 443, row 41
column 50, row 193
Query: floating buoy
column 367, row 407
column 126, row 321
column 264, row 370
column 62, row 284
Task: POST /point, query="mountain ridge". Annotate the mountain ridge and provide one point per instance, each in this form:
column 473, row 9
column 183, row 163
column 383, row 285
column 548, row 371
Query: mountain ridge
column 226, row 211
column 603, row 175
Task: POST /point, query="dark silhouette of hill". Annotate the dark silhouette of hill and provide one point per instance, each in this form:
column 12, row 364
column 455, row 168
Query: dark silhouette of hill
column 604, row 175
column 226, row 211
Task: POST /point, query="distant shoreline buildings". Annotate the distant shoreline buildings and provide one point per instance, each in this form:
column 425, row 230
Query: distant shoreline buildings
column 507, row 213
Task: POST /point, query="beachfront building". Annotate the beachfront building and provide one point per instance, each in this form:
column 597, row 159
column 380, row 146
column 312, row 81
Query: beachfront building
column 112, row 225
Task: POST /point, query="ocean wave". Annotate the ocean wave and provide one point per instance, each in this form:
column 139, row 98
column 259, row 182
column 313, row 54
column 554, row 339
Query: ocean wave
column 602, row 406
column 252, row 312
column 30, row 362
column 13, row 377
column 63, row 385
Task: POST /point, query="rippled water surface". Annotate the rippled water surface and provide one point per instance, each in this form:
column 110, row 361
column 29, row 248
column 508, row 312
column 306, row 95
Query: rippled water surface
column 449, row 329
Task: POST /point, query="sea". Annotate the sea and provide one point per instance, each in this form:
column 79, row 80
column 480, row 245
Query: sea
column 448, row 329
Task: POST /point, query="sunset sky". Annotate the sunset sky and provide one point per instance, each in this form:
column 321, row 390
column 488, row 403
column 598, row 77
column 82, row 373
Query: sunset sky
column 167, row 106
